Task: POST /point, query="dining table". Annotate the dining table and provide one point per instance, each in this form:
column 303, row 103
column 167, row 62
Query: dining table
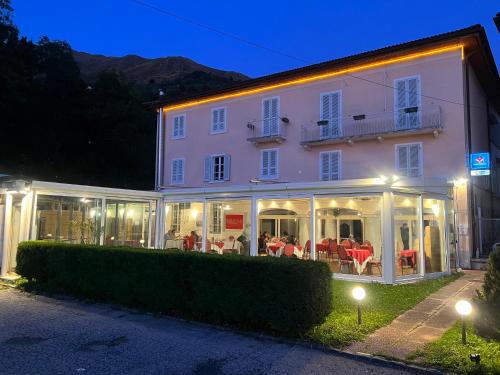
column 410, row 253
column 360, row 258
column 275, row 248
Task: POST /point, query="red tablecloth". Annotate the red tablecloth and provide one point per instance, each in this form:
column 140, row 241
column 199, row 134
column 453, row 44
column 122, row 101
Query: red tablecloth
column 220, row 244
column 359, row 254
column 321, row 247
column 274, row 247
column 408, row 254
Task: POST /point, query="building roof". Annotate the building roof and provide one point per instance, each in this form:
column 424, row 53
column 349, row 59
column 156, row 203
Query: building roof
column 473, row 38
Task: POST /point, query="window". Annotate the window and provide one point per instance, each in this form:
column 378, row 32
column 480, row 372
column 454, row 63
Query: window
column 269, row 167
column 178, row 128
column 407, row 103
column 218, row 120
column 217, row 168
column 329, row 166
column 409, row 159
column 216, row 222
column 331, row 109
column 270, row 117
column 177, row 172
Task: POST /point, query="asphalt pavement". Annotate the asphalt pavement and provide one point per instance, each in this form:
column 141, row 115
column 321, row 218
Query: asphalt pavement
column 42, row 335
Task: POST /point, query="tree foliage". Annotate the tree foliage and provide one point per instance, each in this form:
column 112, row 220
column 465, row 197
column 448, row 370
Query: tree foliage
column 55, row 127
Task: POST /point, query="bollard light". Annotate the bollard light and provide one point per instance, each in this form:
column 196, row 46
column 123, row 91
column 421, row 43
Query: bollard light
column 464, row 308
column 358, row 293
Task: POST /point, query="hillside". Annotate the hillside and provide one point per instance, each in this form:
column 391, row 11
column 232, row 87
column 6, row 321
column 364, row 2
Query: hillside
column 140, row 70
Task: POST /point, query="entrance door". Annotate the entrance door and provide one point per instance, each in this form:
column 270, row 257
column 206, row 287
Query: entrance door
column 269, row 226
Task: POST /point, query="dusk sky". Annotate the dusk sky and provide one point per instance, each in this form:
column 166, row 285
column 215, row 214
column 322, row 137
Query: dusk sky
column 313, row 30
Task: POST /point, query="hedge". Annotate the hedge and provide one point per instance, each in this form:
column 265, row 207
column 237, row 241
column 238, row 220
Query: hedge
column 286, row 296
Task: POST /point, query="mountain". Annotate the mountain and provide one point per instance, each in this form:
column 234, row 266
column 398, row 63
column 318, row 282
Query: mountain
column 142, row 70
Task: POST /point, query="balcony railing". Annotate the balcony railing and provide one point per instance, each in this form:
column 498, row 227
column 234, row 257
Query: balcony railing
column 263, row 132
column 362, row 127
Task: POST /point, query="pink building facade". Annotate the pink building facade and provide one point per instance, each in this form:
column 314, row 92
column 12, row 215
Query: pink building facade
column 371, row 149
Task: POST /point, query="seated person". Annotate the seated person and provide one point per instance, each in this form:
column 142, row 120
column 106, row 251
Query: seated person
column 170, row 235
column 232, row 245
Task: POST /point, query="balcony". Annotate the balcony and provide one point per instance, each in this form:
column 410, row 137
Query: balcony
column 361, row 127
column 267, row 132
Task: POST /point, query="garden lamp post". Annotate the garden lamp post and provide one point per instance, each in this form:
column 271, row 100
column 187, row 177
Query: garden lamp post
column 358, row 293
column 464, row 308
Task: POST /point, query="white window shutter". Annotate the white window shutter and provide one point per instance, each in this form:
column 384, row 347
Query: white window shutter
column 402, row 159
column 175, row 132
column 215, row 120
column 222, row 119
column 266, row 121
column 401, row 104
column 325, row 166
column 227, row 167
column 413, row 101
column 173, row 172
column 181, row 126
column 273, row 163
column 274, row 117
column 334, row 166
column 414, row 160
column 335, row 114
column 180, row 171
column 325, row 115
column 207, row 169
column 265, row 164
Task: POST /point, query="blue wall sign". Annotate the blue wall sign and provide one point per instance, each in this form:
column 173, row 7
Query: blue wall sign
column 479, row 162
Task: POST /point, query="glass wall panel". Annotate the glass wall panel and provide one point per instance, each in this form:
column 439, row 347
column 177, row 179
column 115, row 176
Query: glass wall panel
column 434, row 235
column 407, row 234
column 183, row 226
column 348, row 234
column 452, row 240
column 127, row 223
column 68, row 219
column 228, row 226
column 284, row 227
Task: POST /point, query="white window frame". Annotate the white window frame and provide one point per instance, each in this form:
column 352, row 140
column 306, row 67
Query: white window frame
column 421, row 160
column 212, row 174
column 212, row 131
column 419, row 100
column 340, row 164
column 278, row 114
column 277, row 176
column 183, row 128
column 212, row 168
column 172, row 182
column 340, row 110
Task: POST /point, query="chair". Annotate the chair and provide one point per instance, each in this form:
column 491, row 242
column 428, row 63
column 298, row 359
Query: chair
column 346, row 244
column 288, row 250
column 344, row 259
column 307, row 249
column 332, row 249
column 407, row 262
column 375, row 262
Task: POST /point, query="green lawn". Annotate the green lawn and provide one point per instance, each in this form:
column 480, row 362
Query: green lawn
column 449, row 354
column 382, row 304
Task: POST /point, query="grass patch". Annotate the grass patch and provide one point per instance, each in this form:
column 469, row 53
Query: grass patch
column 449, row 354
column 383, row 303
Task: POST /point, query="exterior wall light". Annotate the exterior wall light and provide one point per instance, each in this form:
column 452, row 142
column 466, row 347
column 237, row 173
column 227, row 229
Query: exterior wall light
column 358, row 293
column 286, row 120
column 383, row 178
column 464, row 308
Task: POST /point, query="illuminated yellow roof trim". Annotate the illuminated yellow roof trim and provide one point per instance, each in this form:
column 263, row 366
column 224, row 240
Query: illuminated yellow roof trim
column 317, row 77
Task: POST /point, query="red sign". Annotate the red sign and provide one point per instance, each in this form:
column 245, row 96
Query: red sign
column 234, row 222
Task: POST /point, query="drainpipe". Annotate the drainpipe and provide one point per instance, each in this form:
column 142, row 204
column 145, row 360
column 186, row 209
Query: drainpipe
column 159, row 150
column 468, row 145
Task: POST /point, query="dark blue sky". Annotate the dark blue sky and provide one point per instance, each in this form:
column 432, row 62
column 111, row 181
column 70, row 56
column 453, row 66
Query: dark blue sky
column 313, row 30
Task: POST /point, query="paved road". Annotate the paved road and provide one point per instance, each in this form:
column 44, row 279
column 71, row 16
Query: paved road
column 40, row 335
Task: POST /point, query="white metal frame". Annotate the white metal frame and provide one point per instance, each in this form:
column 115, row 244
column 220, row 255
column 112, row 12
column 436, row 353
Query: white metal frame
column 262, row 115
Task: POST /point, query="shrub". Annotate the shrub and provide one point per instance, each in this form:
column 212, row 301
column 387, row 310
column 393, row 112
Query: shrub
column 491, row 286
column 286, row 296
